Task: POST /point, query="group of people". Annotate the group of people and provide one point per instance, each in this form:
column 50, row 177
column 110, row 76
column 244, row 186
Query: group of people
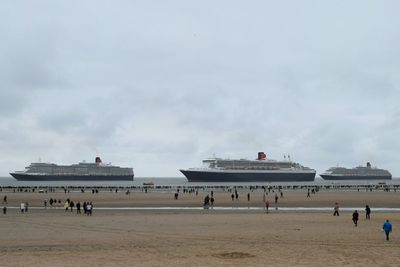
column 387, row 226
column 87, row 207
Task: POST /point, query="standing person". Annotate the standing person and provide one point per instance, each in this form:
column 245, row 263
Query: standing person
column 267, row 206
column 5, row 200
column 212, row 202
column 248, row 196
column 276, row 198
column 45, row 203
column 232, row 196
column 26, row 206
column 308, row 193
column 78, row 207
column 4, row 209
column 355, row 217
column 336, row 210
column 367, row 212
column 71, row 205
column 387, row 227
column 22, row 207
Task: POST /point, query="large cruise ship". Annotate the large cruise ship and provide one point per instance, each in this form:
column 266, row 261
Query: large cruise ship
column 244, row 170
column 76, row 172
column 358, row 173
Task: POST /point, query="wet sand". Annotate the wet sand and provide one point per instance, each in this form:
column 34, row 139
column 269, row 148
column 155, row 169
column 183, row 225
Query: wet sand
column 53, row 237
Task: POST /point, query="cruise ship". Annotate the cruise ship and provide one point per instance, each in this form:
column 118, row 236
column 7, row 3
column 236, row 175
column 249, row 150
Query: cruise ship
column 82, row 171
column 244, row 170
column 357, row 173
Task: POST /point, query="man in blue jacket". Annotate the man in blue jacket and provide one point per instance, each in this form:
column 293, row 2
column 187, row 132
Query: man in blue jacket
column 387, row 227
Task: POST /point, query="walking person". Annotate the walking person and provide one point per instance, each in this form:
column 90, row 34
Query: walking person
column 267, row 206
column 367, row 212
column 387, row 227
column 336, row 210
column 355, row 217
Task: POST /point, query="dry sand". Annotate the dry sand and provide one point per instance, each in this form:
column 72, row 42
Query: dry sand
column 53, row 237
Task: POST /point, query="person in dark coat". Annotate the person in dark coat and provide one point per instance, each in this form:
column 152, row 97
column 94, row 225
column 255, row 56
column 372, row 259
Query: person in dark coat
column 367, row 212
column 355, row 217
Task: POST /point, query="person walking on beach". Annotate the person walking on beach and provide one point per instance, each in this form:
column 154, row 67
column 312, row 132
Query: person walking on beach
column 212, row 202
column 387, row 227
column 45, row 203
column 355, row 217
column 233, row 196
column 336, row 210
column 367, row 212
column 267, row 206
column 66, row 205
column 276, row 198
column 5, row 199
column 308, row 192
column 248, row 196
column 22, row 206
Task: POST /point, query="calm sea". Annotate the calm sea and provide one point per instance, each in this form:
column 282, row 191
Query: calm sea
column 181, row 181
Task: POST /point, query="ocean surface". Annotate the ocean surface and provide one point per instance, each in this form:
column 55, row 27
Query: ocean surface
column 181, row 181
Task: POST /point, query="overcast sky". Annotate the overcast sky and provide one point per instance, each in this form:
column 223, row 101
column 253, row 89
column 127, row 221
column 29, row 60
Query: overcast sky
column 161, row 85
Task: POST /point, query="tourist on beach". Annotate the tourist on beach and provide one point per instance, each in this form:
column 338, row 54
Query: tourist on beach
column 4, row 210
column 355, row 217
column 176, row 195
column 78, row 208
column 248, row 196
column 233, row 196
column 89, row 208
column 66, row 205
column 5, row 199
column 212, row 202
column 276, row 198
column 308, row 192
column 387, row 227
column 71, row 205
column 84, row 207
column 267, row 206
column 367, row 212
column 22, row 206
column 45, row 203
column 26, row 206
column 336, row 210
column 206, row 202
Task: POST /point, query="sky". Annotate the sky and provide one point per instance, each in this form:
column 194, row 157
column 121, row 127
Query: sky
column 161, row 85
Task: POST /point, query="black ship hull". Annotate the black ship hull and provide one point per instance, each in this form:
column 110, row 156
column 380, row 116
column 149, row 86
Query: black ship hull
column 355, row 177
column 30, row 177
column 221, row 176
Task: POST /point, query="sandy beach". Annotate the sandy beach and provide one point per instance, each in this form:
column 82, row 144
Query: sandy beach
column 54, row 237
